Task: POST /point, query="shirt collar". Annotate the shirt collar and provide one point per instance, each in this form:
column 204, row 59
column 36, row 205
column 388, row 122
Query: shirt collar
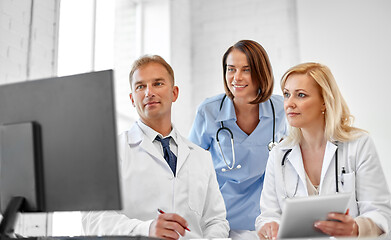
column 227, row 111
column 151, row 134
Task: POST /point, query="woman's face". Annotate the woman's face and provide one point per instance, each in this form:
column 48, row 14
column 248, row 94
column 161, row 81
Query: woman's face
column 303, row 102
column 238, row 77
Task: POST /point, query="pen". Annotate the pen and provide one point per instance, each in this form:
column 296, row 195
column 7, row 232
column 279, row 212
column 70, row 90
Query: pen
column 162, row 212
column 342, row 173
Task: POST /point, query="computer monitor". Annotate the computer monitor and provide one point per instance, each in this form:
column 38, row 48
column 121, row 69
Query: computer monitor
column 58, row 145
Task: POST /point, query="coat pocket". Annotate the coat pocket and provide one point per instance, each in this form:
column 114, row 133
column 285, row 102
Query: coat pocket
column 198, row 187
column 348, row 184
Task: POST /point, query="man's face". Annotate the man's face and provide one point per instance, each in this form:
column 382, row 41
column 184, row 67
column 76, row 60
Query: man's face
column 153, row 93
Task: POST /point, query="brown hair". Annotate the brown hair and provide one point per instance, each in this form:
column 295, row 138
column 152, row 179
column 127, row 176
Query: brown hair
column 261, row 69
column 145, row 59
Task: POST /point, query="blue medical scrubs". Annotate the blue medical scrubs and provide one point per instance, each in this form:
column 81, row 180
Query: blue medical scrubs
column 241, row 188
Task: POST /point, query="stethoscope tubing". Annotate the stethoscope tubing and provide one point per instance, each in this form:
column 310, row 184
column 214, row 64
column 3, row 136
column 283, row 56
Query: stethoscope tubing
column 283, row 174
column 270, row 145
column 233, row 149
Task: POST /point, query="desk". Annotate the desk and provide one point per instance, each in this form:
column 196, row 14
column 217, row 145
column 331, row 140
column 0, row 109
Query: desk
column 83, row 238
column 383, row 237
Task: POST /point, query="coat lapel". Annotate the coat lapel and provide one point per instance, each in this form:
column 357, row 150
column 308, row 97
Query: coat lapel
column 136, row 137
column 183, row 151
column 327, row 161
column 296, row 159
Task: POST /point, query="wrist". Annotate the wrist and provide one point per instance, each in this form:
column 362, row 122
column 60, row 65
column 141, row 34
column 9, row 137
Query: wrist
column 355, row 229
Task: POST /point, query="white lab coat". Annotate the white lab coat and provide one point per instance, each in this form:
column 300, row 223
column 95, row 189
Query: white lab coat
column 148, row 184
column 364, row 178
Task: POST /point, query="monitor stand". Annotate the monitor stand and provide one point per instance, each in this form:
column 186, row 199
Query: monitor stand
column 7, row 225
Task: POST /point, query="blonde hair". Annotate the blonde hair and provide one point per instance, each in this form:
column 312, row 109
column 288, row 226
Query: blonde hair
column 338, row 120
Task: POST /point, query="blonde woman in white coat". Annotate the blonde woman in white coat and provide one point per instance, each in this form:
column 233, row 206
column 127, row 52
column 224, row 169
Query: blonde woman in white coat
column 321, row 127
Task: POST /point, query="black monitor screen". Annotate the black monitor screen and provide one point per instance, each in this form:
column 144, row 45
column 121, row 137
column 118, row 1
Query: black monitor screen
column 60, row 132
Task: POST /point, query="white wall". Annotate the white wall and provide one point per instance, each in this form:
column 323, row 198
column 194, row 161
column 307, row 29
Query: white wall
column 141, row 27
column 353, row 38
column 28, row 39
column 180, row 60
column 28, row 50
column 125, row 51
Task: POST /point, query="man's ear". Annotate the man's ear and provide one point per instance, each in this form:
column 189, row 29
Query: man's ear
column 175, row 92
column 131, row 99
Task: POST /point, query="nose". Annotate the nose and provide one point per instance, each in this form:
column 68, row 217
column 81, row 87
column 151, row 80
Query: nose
column 149, row 92
column 238, row 75
column 289, row 102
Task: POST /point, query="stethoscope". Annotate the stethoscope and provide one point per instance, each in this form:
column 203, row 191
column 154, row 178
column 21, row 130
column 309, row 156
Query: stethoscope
column 297, row 181
column 232, row 167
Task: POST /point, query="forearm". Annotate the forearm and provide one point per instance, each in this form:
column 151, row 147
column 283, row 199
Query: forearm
column 367, row 228
column 113, row 223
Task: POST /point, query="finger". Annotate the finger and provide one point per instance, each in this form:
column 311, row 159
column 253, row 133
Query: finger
column 331, row 227
column 170, row 223
column 174, row 226
column 274, row 231
column 339, row 217
column 322, row 226
column 175, row 218
column 262, row 234
column 269, row 232
column 167, row 234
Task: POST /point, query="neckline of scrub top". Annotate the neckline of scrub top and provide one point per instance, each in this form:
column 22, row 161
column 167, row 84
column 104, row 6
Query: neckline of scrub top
column 227, row 111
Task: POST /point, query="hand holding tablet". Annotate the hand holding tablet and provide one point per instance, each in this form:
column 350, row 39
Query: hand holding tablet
column 300, row 215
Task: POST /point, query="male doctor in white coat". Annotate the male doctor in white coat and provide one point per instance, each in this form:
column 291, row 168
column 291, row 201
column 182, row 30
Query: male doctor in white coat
column 186, row 190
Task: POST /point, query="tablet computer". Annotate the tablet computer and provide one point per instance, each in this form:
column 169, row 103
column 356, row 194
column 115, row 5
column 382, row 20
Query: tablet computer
column 300, row 214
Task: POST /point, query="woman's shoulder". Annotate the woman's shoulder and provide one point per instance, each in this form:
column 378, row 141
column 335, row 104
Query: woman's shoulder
column 360, row 138
column 285, row 144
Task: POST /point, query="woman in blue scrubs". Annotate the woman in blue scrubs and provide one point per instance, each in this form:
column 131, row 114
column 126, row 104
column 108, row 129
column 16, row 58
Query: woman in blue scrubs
column 249, row 110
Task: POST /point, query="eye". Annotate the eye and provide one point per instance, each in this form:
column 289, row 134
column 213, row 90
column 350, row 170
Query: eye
column 230, row 69
column 247, row 70
column 139, row 87
column 158, row 84
column 286, row 95
column 301, row 95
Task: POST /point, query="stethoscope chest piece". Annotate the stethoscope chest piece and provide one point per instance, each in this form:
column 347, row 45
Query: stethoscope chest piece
column 231, row 168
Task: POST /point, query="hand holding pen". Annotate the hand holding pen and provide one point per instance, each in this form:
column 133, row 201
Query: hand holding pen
column 168, row 226
column 161, row 212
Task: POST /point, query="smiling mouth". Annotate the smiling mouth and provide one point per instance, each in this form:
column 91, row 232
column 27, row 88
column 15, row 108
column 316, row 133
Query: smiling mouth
column 239, row 86
column 292, row 114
